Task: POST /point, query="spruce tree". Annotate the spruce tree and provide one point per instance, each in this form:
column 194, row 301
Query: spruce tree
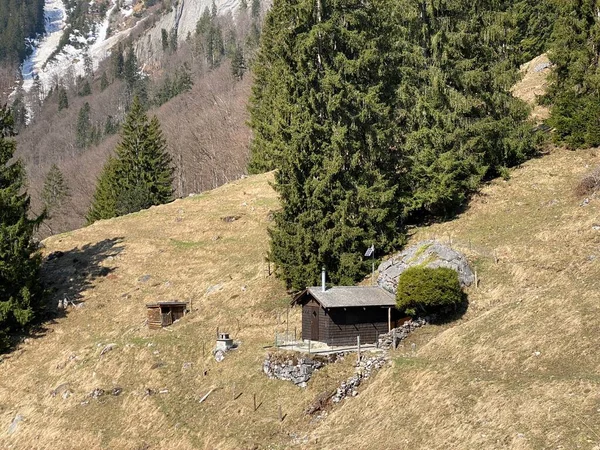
column 140, row 175
column 117, row 62
column 20, row 290
column 104, row 202
column 131, row 69
column 458, row 122
column 575, row 87
column 164, row 37
column 255, row 9
column 63, row 100
column 238, row 64
column 84, row 127
column 55, row 190
column 86, row 89
column 325, row 79
column 103, row 81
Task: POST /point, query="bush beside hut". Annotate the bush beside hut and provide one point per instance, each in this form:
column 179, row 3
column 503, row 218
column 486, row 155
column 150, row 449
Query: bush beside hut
column 422, row 290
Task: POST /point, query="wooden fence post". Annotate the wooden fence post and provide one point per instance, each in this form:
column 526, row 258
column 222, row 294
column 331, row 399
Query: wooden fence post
column 358, row 345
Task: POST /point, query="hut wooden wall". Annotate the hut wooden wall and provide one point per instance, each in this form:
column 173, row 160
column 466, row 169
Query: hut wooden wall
column 346, row 324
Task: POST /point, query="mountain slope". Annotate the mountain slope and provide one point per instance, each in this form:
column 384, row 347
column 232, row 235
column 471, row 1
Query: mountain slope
column 521, row 369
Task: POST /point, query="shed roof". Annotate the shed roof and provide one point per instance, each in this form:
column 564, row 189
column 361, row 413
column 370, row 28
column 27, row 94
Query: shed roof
column 348, row 296
column 165, row 304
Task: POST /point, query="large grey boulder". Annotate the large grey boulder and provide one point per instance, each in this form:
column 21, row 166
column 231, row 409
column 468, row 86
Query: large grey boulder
column 427, row 254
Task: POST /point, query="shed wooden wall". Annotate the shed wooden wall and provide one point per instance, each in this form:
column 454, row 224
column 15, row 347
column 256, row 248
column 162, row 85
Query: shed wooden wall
column 154, row 318
column 177, row 312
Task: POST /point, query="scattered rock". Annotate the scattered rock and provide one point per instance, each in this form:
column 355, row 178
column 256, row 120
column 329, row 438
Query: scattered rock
column 55, row 255
column 15, row 423
column 219, row 355
column 542, row 66
column 427, row 254
column 61, row 388
column 96, row 393
column 213, row 289
column 117, row 391
column 215, row 238
column 187, row 365
column 157, row 365
column 163, row 391
column 148, row 392
column 230, row 219
column 364, row 369
column 144, row 278
column 107, row 348
column 596, row 227
column 585, row 202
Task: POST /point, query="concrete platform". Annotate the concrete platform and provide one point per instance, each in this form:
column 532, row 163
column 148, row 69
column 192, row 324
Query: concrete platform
column 320, row 348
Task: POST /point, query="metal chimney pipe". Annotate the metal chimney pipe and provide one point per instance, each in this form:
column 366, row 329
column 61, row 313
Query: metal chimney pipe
column 323, row 280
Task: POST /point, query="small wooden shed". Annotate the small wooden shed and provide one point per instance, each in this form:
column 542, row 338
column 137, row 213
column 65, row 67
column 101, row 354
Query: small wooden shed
column 163, row 314
column 337, row 315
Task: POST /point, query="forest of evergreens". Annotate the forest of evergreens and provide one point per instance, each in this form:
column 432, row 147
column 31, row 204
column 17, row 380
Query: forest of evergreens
column 386, row 113
column 19, row 19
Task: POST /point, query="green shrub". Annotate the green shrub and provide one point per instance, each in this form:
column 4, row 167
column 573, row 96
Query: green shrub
column 423, row 290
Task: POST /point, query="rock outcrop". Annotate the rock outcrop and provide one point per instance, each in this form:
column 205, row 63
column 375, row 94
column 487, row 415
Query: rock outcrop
column 427, row 254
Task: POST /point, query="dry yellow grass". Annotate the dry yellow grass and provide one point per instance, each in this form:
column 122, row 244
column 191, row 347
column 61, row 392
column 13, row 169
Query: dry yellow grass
column 475, row 383
column 186, row 248
column 534, row 84
column 521, row 369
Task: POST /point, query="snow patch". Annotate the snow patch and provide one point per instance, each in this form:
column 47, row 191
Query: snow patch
column 54, row 17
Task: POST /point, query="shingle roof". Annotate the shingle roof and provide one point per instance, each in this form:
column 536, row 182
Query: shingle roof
column 349, row 296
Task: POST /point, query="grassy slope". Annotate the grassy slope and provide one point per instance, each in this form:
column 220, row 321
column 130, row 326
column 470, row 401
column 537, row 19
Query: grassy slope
column 481, row 384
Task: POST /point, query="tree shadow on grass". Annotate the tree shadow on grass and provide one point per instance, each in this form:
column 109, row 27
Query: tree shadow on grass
column 66, row 275
column 451, row 314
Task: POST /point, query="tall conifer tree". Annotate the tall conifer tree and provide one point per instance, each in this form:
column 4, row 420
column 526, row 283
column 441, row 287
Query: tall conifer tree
column 140, row 175
column 321, row 110
column 20, row 290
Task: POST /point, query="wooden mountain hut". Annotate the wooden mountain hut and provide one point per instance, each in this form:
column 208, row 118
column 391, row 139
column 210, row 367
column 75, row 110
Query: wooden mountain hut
column 163, row 314
column 337, row 315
